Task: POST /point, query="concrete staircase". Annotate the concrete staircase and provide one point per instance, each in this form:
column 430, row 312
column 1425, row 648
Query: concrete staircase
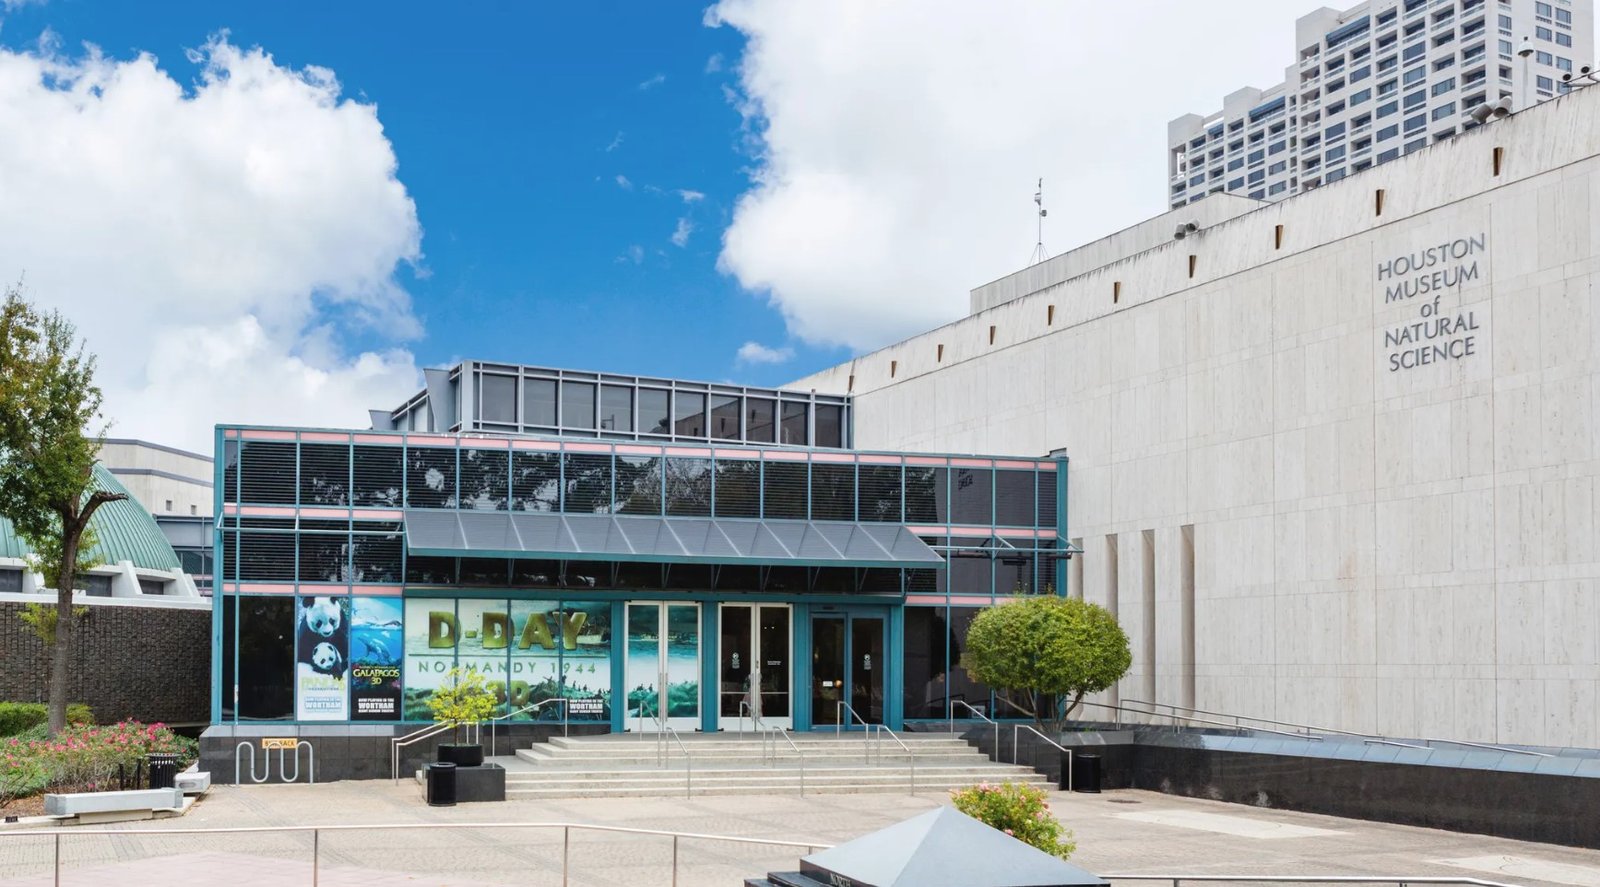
column 725, row 764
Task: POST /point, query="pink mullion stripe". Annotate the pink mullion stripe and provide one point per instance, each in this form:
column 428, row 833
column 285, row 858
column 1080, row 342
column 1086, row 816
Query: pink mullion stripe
column 380, row 439
column 377, row 590
column 783, row 456
column 930, row 531
column 230, row 509
column 488, row 443
column 926, row 460
column 267, row 510
column 833, row 457
column 1015, row 533
column 260, row 588
column 325, row 436
column 868, row 459
column 325, row 512
column 257, row 434
column 1046, row 466
column 573, row 447
column 924, row 599
column 548, row 446
column 376, row 514
column 231, row 433
column 638, row 450
column 972, row 463
column 689, row 452
column 1005, row 463
column 980, row 601
column 737, row 454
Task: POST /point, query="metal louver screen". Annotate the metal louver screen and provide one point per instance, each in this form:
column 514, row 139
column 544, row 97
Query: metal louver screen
column 783, row 490
column 267, row 473
column 379, row 476
column 325, row 475
column 266, row 557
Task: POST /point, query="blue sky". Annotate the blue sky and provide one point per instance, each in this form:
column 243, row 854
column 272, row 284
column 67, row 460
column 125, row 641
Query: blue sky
column 277, row 213
column 511, row 125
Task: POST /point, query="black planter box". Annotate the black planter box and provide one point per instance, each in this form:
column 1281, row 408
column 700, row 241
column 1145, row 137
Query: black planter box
column 462, row 755
column 485, row 783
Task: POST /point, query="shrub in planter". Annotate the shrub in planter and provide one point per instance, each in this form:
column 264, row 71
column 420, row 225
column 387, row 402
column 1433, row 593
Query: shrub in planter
column 85, row 757
column 1020, row 811
column 464, row 699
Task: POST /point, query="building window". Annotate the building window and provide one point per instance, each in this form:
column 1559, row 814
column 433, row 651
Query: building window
column 1442, row 87
column 1386, row 156
column 1335, row 154
column 194, row 510
column 1278, row 188
column 266, row 658
column 1542, row 10
column 724, row 417
column 95, row 585
column 1414, row 52
column 152, row 586
column 830, row 425
column 1415, row 99
column 539, row 402
column 1544, row 58
column 1563, row 39
column 794, row 423
column 1444, row 110
column 616, row 408
column 1388, row 132
column 10, row 581
column 1413, row 124
column 1414, row 75
column 655, row 411
column 1545, row 83
column 689, row 414
column 1543, row 33
column 1361, row 73
column 577, row 405
column 169, row 504
column 1564, row 16
column 499, row 399
column 760, row 419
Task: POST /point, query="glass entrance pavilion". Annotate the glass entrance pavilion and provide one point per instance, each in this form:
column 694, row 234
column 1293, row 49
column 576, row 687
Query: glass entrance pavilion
column 696, row 582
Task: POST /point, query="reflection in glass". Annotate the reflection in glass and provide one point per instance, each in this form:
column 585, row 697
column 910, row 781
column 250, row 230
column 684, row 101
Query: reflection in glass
column 833, row 492
column 587, row 478
column 927, row 499
column 638, row 485
column 484, row 479
column 616, row 408
column 379, row 475
column 866, row 668
column 539, row 402
column 878, row 499
column 761, row 419
column 962, row 686
column 266, row 658
column 784, row 490
column 827, row 669
column 655, row 412
column 794, row 424
column 499, row 398
column 689, row 414
column 724, row 417
column 577, row 404
column 535, row 481
column 738, row 488
column 688, row 487
column 324, row 474
column 430, row 477
column 973, row 491
column 830, row 425
column 1013, row 498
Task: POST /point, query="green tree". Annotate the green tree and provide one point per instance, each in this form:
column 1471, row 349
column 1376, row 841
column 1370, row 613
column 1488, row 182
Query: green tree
column 464, row 699
column 1044, row 654
column 48, row 402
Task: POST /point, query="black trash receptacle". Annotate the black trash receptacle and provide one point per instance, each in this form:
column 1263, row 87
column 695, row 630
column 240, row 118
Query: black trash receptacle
column 441, row 784
column 1086, row 773
column 163, row 770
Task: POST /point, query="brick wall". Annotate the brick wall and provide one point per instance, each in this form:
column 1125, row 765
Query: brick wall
column 127, row 662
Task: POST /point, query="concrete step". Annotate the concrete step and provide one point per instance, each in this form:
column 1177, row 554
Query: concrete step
column 648, row 756
column 772, row 787
column 734, row 741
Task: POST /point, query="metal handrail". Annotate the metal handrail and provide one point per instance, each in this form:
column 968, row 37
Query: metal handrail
column 1237, row 718
column 839, row 709
column 1016, row 747
column 950, row 709
column 779, row 731
column 1394, row 743
column 494, row 723
column 413, row 737
column 663, row 754
column 755, row 722
column 884, row 729
column 1194, row 720
column 1397, row 879
column 1506, row 748
column 317, row 830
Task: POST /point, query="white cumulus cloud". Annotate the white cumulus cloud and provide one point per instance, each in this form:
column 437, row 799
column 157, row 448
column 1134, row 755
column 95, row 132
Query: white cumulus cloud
column 218, row 235
column 755, row 352
column 898, row 142
column 653, row 82
column 624, row 182
column 689, row 196
column 680, row 234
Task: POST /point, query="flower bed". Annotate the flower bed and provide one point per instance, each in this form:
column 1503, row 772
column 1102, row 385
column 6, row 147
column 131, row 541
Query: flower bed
column 84, row 758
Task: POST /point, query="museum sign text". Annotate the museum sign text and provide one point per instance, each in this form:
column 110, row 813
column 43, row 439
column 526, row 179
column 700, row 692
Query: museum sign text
column 1437, row 333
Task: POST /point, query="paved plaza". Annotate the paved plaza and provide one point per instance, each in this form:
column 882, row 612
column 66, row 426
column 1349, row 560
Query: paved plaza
column 1120, row 832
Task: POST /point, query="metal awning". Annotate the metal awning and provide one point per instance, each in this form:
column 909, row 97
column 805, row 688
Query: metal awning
column 686, row 540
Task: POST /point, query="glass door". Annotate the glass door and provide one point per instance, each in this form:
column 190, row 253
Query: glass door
column 847, row 666
column 755, row 643
column 663, row 666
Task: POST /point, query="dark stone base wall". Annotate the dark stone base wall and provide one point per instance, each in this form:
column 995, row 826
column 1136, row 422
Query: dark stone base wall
column 350, row 751
column 1524, row 806
column 147, row 663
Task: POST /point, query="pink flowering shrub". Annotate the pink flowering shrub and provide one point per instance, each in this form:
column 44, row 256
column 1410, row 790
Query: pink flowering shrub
column 1020, row 811
column 84, row 757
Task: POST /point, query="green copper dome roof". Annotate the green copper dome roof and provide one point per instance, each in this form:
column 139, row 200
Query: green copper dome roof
column 125, row 531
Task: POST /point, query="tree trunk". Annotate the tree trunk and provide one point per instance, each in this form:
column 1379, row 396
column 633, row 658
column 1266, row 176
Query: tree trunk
column 61, row 655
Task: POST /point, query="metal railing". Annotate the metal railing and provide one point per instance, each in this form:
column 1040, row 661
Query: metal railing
column 1016, row 747
column 1396, row 879
column 494, row 723
column 883, row 729
column 1427, row 741
column 317, row 830
column 1174, row 718
column 755, row 722
column 839, row 708
column 411, row 738
column 772, row 759
column 961, row 702
column 664, row 752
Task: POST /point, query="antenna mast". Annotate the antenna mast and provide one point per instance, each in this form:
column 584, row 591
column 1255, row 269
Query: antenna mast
column 1039, row 253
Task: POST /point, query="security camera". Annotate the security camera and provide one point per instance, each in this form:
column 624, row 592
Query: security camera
column 1526, row 49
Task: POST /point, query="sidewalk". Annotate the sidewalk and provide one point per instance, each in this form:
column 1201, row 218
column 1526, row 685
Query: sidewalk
column 1117, row 832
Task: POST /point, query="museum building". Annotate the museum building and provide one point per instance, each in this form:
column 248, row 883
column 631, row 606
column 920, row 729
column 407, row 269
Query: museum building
column 648, row 551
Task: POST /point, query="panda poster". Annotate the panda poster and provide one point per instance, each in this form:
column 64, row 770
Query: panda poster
column 322, row 650
column 375, row 648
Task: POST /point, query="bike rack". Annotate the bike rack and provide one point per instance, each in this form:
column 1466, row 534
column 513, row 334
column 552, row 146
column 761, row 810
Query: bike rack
column 283, row 769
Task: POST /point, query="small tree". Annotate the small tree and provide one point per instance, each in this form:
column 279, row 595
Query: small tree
column 1045, row 654
column 464, row 699
column 48, row 401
